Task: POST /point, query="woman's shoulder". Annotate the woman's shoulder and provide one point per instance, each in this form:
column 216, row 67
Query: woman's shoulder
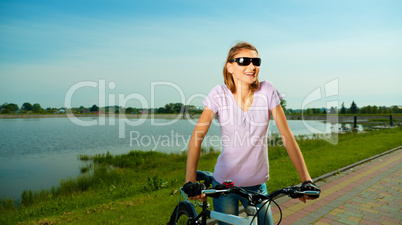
column 219, row 88
column 266, row 85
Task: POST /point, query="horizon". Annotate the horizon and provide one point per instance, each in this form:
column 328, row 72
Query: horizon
column 48, row 47
column 198, row 107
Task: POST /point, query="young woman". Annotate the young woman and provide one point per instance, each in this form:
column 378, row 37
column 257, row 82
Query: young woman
column 244, row 106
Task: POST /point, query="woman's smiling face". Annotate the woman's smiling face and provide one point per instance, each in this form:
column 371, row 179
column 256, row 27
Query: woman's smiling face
column 245, row 74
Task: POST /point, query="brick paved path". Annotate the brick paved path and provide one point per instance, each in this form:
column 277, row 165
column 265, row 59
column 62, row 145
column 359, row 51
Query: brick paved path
column 368, row 194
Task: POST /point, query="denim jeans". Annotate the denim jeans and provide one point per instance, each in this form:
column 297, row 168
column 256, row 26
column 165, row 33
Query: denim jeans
column 230, row 204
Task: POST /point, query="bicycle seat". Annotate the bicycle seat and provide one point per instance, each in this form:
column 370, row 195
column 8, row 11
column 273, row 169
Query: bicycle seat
column 206, row 176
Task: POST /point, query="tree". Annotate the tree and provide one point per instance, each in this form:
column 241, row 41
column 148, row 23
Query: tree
column 27, row 106
column 36, row 108
column 375, row 109
column 191, row 109
column 343, row 109
column 9, row 108
column 395, row 109
column 382, row 109
column 316, row 110
column 161, row 110
column 178, row 107
column 290, row 111
column 283, row 104
column 368, row 109
column 94, row 108
column 353, row 108
column 130, row 110
column 332, row 110
column 169, row 108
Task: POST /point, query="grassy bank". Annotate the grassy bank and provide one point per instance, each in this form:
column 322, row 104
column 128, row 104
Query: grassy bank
column 142, row 187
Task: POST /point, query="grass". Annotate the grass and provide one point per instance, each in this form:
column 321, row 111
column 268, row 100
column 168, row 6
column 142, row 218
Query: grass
column 346, row 114
column 385, row 120
column 142, row 187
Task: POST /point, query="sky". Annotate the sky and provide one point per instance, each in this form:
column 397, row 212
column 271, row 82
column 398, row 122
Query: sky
column 150, row 53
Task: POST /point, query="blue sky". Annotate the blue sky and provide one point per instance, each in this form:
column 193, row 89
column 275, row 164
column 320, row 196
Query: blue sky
column 46, row 47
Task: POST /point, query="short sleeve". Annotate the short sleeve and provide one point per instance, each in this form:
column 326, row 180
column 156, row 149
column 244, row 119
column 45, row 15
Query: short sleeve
column 274, row 97
column 213, row 98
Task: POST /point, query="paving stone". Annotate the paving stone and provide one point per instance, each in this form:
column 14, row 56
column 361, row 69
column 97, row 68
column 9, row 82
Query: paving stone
column 376, row 215
column 346, row 221
column 343, row 216
column 321, row 223
column 322, row 211
column 367, row 222
column 354, row 219
column 306, row 220
column 337, row 223
column 387, row 214
column 353, row 214
column 332, row 217
column 389, row 223
column 351, row 207
column 390, row 219
column 325, row 220
column 371, row 218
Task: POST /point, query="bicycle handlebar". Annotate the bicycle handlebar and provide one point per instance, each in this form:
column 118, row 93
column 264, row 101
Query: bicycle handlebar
column 293, row 192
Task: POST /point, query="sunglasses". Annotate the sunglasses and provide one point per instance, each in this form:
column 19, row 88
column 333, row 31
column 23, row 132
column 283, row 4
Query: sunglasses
column 245, row 61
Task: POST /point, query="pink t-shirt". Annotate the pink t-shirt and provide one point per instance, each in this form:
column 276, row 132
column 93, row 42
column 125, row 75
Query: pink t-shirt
column 244, row 157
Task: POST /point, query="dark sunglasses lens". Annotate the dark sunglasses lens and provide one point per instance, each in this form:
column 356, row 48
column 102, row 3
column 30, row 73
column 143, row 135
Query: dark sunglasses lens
column 244, row 61
column 256, row 61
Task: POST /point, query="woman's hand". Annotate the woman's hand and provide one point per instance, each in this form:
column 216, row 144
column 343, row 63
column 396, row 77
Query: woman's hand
column 304, row 198
column 309, row 186
column 201, row 197
column 193, row 190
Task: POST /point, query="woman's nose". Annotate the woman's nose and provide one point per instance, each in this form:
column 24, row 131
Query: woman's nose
column 251, row 65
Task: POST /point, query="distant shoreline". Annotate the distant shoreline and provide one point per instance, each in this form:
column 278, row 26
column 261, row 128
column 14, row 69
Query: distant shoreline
column 329, row 118
column 128, row 116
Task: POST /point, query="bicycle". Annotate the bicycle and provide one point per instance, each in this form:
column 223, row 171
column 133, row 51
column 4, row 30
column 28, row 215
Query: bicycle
column 185, row 213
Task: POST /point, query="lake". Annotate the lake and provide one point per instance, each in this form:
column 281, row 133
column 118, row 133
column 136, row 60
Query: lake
column 36, row 153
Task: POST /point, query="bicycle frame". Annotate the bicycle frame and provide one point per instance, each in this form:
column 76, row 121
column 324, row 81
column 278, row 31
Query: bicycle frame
column 251, row 212
column 231, row 219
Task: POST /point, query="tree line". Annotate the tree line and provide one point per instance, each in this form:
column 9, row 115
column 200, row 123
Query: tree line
column 178, row 108
column 10, row 108
column 353, row 109
column 7, row 108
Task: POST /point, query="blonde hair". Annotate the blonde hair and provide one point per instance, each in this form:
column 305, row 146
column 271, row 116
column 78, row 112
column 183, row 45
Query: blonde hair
column 228, row 76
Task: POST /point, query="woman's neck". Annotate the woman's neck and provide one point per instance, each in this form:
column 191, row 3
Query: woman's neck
column 243, row 97
column 242, row 91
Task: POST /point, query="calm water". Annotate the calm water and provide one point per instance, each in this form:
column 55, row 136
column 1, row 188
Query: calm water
column 37, row 153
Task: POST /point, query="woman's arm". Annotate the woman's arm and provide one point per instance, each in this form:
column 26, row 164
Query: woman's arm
column 194, row 148
column 290, row 144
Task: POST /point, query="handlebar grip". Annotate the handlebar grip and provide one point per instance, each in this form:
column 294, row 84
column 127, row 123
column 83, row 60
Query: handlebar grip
column 213, row 191
column 298, row 194
column 309, row 192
